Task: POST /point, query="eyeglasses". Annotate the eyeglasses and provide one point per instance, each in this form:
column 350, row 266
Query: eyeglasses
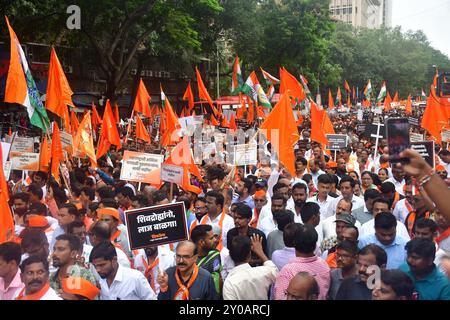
column 179, row 257
column 199, row 208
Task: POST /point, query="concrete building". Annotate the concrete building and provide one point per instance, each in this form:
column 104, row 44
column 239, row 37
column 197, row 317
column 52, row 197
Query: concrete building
column 363, row 13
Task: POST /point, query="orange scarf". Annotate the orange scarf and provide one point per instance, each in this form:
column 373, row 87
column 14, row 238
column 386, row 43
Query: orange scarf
column 255, row 219
column 183, row 291
column 443, row 235
column 204, row 221
column 396, row 199
column 35, row 296
column 149, row 271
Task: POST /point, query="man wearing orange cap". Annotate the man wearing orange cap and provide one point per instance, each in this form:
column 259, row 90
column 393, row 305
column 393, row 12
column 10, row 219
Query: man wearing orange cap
column 441, row 171
column 78, row 288
column 118, row 236
column 331, row 167
column 40, row 222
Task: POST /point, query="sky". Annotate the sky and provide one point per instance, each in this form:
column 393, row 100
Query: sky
column 430, row 16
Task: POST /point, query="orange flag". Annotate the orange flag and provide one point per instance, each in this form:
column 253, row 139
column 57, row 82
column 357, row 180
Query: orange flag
column 387, row 102
column 189, row 96
column 260, row 112
column 59, row 95
column 317, row 121
column 250, row 113
column 289, row 82
column 109, row 134
column 142, row 100
column 83, row 143
column 434, row 118
column 327, row 126
column 96, row 120
column 233, row 123
column 9, row 132
column 281, row 129
column 299, row 118
column 224, row 123
column 171, row 124
column 409, row 105
column 330, row 100
column 241, row 109
column 214, row 121
column 44, row 158
column 181, row 155
column 349, row 102
column 6, row 216
column 74, row 122
column 117, row 114
column 395, row 99
column 366, row 103
column 57, row 151
column 203, row 93
column 346, row 86
column 141, row 132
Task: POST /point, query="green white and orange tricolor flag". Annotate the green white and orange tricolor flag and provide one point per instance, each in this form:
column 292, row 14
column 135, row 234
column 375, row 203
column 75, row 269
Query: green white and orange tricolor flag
column 253, row 88
column 305, row 86
column 368, row 90
column 382, row 93
column 236, row 80
column 423, row 96
column 20, row 85
column 270, row 79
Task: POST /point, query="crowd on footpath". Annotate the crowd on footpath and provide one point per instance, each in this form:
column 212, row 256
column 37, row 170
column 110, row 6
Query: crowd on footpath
column 344, row 226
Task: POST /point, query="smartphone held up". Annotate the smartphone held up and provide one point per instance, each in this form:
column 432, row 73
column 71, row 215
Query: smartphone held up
column 397, row 133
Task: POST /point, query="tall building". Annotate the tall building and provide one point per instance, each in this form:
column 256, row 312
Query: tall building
column 362, row 13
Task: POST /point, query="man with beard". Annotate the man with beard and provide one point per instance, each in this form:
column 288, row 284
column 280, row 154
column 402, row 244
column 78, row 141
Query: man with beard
column 268, row 223
column 200, row 210
column 355, row 287
column 20, row 205
column 346, row 257
column 341, row 169
column 299, row 195
column 243, row 188
column 151, row 259
column 66, row 252
column 119, row 236
column 186, row 281
column 429, row 282
column 242, row 217
column 118, row 282
column 34, row 274
column 208, row 256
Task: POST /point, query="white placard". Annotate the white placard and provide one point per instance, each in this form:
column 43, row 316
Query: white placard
column 415, row 137
column 245, row 154
column 25, row 161
column 7, row 169
column 172, row 173
column 5, row 151
column 137, row 166
column 22, row 144
column 445, row 135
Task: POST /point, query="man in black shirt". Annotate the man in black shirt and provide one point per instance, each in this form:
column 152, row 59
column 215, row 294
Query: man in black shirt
column 360, row 287
column 242, row 217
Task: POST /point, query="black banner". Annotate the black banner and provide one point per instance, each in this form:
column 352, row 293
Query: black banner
column 156, row 225
column 426, row 150
column 360, row 127
column 371, row 131
column 336, row 141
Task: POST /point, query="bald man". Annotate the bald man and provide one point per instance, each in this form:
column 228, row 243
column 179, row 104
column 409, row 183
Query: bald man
column 302, row 287
column 186, row 281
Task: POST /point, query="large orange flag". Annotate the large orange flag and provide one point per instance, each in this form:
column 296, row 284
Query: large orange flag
column 181, row 155
column 408, row 108
column 59, row 95
column 281, row 130
column 434, row 118
column 74, row 122
column 109, row 134
column 96, row 120
column 45, row 156
column 395, row 99
column 203, row 93
column 83, row 143
column 189, row 96
column 327, row 126
column 171, row 124
column 6, row 217
column 141, row 132
column 141, row 103
column 387, row 102
column 317, row 122
column 57, row 151
column 330, row 100
column 289, row 82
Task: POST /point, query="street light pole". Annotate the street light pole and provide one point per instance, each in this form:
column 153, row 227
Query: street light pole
column 218, row 77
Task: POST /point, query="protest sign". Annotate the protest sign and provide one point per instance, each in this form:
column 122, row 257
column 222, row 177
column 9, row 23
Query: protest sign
column 413, row 121
column 445, row 135
column 336, row 141
column 426, row 150
column 20, row 145
column 171, row 173
column 245, row 154
column 415, row 137
column 5, row 152
column 25, row 161
column 137, row 166
column 7, row 169
column 67, row 142
column 157, row 225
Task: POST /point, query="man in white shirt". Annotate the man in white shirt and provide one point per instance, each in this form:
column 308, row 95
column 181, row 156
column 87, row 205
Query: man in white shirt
column 117, row 282
column 322, row 198
column 35, row 275
column 244, row 282
column 398, row 178
column 346, row 186
column 217, row 216
column 267, row 224
column 329, row 224
column 315, row 170
column 381, row 205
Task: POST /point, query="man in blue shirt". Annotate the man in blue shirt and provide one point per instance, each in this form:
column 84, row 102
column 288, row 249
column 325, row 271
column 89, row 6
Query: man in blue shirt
column 243, row 189
column 430, row 283
column 386, row 237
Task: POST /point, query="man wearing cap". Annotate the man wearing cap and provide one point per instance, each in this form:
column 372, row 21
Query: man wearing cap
column 331, row 167
column 118, row 237
column 78, row 288
column 441, row 171
column 40, row 222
